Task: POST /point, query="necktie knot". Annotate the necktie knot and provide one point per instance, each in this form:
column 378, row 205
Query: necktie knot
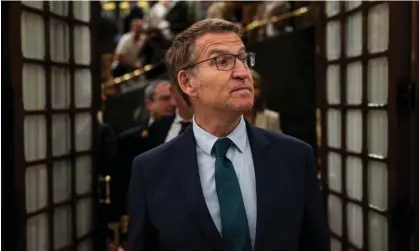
column 221, row 146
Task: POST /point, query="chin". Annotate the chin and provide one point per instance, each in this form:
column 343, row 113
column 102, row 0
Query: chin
column 242, row 106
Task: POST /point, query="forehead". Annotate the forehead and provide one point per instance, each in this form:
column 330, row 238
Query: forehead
column 162, row 88
column 227, row 42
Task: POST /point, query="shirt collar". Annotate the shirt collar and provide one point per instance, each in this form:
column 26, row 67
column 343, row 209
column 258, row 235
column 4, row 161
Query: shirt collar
column 206, row 141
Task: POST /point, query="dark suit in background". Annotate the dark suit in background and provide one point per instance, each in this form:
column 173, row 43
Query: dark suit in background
column 178, row 17
column 168, row 210
column 131, row 143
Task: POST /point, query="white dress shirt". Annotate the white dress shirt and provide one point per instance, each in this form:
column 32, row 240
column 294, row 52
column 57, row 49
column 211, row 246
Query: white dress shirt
column 129, row 48
column 175, row 127
column 240, row 155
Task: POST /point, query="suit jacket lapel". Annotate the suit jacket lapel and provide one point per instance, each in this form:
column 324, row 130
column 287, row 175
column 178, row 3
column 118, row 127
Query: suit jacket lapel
column 192, row 190
column 258, row 144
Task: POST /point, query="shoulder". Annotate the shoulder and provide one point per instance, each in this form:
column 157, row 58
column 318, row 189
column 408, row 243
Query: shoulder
column 284, row 142
column 125, row 38
column 163, row 121
column 131, row 132
column 154, row 159
column 271, row 113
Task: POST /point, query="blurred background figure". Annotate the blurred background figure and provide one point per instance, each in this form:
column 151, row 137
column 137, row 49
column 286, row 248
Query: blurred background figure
column 128, row 49
column 260, row 116
column 159, row 100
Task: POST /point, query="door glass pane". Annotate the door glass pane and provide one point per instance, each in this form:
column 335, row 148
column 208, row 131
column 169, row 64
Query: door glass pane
column 33, row 87
column 354, row 131
column 61, row 141
column 378, row 234
column 59, row 7
column 81, row 10
column 86, row 245
column 350, row 5
column 62, row 181
column 84, row 216
column 334, row 213
column 62, row 226
column 35, row 137
column 378, row 28
column 333, row 84
column 34, row 4
column 377, row 133
column 332, row 8
column 83, row 88
column 355, row 230
column 82, row 45
column 335, row 244
column 83, row 131
column 378, row 81
column 333, row 40
column 354, row 177
column 60, row 88
column 334, row 168
column 354, row 83
column 377, row 184
column 33, row 35
column 83, row 174
column 36, row 188
column 354, row 35
column 334, row 128
column 59, row 41
column 37, row 233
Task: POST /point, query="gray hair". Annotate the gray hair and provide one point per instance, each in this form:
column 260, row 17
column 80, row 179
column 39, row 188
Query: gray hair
column 150, row 89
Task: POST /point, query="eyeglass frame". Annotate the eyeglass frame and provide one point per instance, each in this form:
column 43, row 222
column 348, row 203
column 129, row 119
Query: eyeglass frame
column 249, row 54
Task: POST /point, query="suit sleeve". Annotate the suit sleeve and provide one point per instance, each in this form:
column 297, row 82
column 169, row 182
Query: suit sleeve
column 315, row 231
column 142, row 236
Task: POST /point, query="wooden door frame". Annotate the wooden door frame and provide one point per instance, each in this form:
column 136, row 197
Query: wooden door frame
column 16, row 61
column 399, row 131
column 9, row 197
column 415, row 121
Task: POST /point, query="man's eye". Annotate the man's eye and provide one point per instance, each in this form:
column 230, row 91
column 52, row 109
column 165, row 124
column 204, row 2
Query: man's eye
column 222, row 61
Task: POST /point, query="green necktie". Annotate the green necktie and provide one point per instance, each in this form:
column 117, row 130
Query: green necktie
column 235, row 230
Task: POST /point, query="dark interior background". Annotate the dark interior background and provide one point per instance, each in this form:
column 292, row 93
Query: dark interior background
column 286, row 64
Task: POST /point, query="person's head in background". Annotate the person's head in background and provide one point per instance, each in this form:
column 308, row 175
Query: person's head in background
column 258, row 104
column 136, row 12
column 137, row 26
column 211, row 67
column 159, row 99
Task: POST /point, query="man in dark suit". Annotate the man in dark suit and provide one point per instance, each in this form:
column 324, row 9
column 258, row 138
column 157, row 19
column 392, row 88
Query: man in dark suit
column 223, row 184
column 158, row 99
column 162, row 126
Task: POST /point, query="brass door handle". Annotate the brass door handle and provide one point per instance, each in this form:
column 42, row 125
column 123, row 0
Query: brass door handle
column 107, row 179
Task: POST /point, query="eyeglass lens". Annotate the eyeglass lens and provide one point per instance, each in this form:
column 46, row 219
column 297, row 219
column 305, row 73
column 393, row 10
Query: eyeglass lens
column 228, row 61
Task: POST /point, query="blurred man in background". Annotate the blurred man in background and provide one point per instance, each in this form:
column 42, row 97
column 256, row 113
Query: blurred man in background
column 128, row 49
column 132, row 142
column 259, row 115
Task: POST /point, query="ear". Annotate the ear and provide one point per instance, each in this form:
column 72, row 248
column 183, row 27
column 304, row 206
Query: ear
column 185, row 80
column 148, row 103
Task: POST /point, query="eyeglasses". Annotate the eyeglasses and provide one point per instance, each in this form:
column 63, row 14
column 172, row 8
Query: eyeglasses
column 226, row 62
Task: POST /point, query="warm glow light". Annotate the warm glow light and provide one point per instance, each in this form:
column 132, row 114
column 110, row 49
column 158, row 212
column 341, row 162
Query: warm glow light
column 123, row 5
column 108, row 6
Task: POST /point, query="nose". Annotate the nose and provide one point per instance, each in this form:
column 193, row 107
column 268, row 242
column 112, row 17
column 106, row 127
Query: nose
column 240, row 70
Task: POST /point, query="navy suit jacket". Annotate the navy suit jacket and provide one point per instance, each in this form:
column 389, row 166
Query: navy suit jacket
column 168, row 210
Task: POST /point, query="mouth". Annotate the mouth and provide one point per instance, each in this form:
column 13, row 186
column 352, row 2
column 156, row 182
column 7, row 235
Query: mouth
column 241, row 89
